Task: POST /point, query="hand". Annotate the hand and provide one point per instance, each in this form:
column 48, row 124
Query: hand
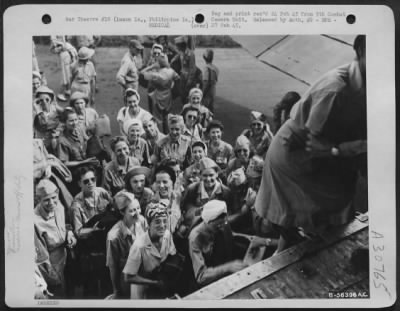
column 236, row 265
column 71, row 240
column 47, row 172
column 319, row 147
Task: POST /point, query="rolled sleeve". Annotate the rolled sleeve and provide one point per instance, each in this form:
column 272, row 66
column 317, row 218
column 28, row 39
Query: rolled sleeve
column 323, row 103
column 134, row 261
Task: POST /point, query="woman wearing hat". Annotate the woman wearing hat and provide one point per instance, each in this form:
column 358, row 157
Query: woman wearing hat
column 162, row 81
column 137, row 145
column 259, row 134
column 132, row 110
column 87, row 116
column 121, row 163
column 218, row 150
column 83, row 74
column 242, row 153
column 46, row 122
column 210, row 77
column 208, row 188
column 120, row 239
column 211, row 245
column 147, row 254
column 131, row 63
column 195, row 100
column 175, row 145
column 135, row 182
column 192, row 173
column 52, row 231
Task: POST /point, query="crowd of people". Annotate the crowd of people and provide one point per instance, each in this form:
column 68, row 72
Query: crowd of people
column 173, row 207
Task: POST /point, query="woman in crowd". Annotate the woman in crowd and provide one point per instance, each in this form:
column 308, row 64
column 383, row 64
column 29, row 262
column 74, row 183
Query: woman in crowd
column 151, row 134
column 137, row 145
column 147, row 254
column 83, row 74
column 162, row 81
column 72, row 145
column 135, row 182
column 217, row 149
column 259, row 134
column 36, row 82
column 195, row 98
column 87, row 116
column 165, row 179
column 90, row 202
column 132, row 110
column 175, row 145
column 121, row 163
column 192, row 173
column 120, row 239
column 242, row 153
column 208, row 188
column 193, row 129
column 283, row 108
column 47, row 115
column 52, row 231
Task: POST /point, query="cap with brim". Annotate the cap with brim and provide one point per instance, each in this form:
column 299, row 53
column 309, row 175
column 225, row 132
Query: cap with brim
column 256, row 116
column 136, row 44
column 206, row 163
column 85, row 53
column 45, row 188
column 168, row 170
column 78, row 95
column 139, row 170
column 44, row 90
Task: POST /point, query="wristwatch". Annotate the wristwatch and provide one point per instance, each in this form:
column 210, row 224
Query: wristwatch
column 335, row 151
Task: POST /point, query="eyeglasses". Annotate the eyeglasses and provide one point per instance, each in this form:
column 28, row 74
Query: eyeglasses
column 87, row 181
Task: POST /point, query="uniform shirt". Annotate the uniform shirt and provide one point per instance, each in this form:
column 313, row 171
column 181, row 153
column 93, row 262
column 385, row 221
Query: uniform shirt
column 50, row 227
column 124, row 115
column 83, row 209
column 67, row 57
column 194, row 135
column 152, row 141
column 114, row 175
column 128, row 73
column 221, row 154
column 206, row 265
column 71, row 148
column 83, row 73
column 140, row 151
column 119, row 241
column 144, row 258
column 179, row 150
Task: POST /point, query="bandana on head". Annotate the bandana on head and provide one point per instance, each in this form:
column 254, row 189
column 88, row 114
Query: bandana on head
column 213, row 209
column 155, row 210
column 45, row 188
column 131, row 122
column 131, row 90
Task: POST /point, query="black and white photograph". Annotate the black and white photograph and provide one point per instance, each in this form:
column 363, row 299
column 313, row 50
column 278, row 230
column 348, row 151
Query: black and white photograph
column 168, row 167
column 199, row 156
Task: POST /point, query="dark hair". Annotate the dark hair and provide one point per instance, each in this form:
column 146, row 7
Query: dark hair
column 85, row 169
column 288, row 100
column 359, row 45
column 115, row 140
column 67, row 111
column 162, row 168
column 208, row 56
column 214, row 124
column 130, row 93
column 190, row 108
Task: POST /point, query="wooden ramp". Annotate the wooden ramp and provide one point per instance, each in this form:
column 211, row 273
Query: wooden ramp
column 311, row 269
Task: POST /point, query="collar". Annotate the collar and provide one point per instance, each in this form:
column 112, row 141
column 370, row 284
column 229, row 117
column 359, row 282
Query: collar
column 149, row 245
column 203, row 193
column 46, row 216
column 125, row 231
column 178, row 142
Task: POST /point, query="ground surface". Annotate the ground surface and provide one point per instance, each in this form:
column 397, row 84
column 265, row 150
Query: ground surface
column 244, row 84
